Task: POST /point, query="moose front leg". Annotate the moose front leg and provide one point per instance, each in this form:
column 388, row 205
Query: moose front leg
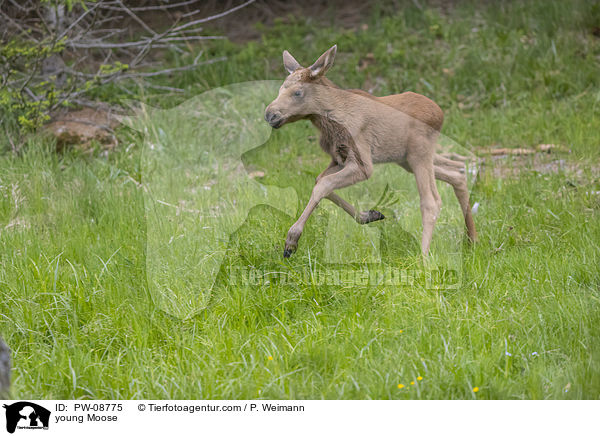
column 360, row 217
column 334, row 167
column 350, row 174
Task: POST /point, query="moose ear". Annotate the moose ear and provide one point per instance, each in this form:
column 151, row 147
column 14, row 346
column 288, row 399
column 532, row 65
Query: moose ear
column 324, row 63
column 289, row 62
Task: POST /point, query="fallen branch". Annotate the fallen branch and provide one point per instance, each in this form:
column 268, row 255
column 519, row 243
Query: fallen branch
column 546, row 148
column 144, row 42
column 172, row 70
column 511, row 151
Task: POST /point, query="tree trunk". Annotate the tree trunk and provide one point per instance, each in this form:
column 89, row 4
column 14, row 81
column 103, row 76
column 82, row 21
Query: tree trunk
column 4, row 369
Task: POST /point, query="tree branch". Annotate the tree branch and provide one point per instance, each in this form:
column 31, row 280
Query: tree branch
column 213, row 17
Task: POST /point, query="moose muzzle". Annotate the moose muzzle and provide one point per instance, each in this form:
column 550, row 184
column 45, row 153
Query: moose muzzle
column 274, row 118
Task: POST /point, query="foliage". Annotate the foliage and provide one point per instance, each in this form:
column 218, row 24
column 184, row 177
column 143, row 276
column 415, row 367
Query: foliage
column 17, row 57
column 57, row 52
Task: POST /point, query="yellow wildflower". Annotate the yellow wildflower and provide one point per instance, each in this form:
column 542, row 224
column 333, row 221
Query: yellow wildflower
column 475, row 389
column 270, row 357
column 419, row 378
column 400, row 386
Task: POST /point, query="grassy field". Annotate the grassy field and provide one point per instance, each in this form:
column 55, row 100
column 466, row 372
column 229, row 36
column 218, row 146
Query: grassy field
column 90, row 311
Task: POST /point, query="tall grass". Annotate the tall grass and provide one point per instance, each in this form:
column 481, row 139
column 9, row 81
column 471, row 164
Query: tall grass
column 83, row 321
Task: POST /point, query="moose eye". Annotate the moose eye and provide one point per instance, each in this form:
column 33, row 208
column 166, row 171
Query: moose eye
column 298, row 93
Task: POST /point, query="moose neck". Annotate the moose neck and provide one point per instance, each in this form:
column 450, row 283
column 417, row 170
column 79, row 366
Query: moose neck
column 337, row 107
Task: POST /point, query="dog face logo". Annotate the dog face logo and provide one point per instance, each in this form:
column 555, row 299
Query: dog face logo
column 26, row 415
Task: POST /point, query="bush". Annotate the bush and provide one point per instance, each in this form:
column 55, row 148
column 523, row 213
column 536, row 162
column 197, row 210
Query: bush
column 56, row 52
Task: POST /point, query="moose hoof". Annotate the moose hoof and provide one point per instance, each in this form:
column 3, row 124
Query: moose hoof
column 288, row 252
column 370, row 216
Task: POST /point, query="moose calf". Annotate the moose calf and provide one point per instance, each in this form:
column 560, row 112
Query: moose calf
column 359, row 130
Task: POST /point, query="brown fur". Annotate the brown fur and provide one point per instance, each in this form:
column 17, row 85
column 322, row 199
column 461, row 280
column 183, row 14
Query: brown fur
column 414, row 105
column 359, row 130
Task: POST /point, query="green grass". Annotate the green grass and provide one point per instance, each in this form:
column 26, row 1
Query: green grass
column 82, row 311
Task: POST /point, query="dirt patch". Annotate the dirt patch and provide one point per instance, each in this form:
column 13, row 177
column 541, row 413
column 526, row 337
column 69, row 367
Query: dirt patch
column 515, row 162
column 513, row 166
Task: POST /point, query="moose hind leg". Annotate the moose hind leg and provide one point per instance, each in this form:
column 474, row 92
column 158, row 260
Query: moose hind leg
column 458, row 182
column 430, row 201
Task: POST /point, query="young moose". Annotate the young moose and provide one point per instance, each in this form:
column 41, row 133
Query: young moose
column 359, row 130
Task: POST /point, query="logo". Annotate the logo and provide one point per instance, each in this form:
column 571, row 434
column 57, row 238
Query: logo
column 26, row 415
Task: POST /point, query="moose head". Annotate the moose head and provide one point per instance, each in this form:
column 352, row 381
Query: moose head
column 297, row 97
